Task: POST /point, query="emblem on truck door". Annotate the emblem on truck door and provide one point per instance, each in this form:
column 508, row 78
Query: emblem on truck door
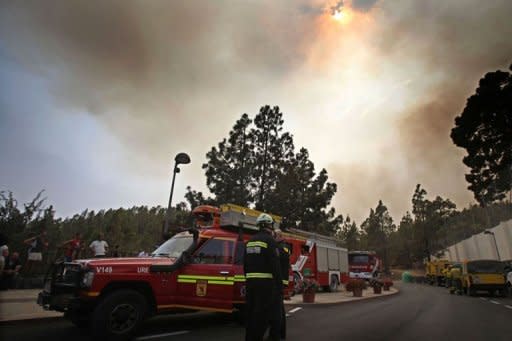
column 201, row 288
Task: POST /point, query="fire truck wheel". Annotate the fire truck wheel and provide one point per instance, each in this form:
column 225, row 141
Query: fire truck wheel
column 119, row 315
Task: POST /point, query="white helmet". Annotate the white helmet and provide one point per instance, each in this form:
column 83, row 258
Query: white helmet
column 265, row 220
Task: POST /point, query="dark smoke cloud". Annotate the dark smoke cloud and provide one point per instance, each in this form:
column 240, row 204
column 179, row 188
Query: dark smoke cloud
column 337, row 7
column 155, row 66
column 363, row 5
column 455, row 44
column 162, row 75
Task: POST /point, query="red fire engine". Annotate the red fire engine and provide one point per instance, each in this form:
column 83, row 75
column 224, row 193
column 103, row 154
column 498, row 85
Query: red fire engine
column 199, row 269
column 364, row 264
column 318, row 257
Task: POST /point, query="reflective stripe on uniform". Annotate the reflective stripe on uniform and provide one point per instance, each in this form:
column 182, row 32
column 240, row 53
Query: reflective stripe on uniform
column 257, row 243
column 237, row 278
column 285, row 282
column 258, row 275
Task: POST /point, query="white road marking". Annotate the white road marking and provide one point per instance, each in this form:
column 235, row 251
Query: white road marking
column 494, row 302
column 288, row 315
column 295, row 310
column 508, row 306
column 483, row 298
column 162, row 335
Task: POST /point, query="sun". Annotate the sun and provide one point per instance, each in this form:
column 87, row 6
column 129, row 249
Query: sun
column 342, row 16
column 338, row 15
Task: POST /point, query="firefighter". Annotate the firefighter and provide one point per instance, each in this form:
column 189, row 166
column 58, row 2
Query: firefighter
column 262, row 276
column 278, row 323
column 456, row 280
column 448, row 278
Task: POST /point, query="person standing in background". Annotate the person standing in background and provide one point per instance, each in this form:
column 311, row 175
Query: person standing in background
column 37, row 245
column 99, row 247
column 278, row 321
column 11, row 270
column 115, row 251
column 72, row 248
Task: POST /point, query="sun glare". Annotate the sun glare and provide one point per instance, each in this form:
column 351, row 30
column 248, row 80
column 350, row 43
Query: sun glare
column 341, row 16
column 338, row 15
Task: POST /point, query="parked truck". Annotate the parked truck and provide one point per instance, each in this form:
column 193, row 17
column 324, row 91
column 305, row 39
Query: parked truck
column 364, row 264
column 483, row 275
column 317, row 257
column 436, row 270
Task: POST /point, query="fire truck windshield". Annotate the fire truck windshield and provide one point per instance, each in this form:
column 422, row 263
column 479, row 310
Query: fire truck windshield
column 358, row 259
column 174, row 247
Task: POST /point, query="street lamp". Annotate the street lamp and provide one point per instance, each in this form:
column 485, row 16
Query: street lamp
column 495, row 243
column 179, row 159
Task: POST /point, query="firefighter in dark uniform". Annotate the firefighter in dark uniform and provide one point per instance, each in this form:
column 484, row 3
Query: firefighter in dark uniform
column 278, row 323
column 262, row 276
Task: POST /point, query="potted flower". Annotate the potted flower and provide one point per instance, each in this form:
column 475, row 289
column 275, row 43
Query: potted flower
column 309, row 287
column 377, row 286
column 387, row 283
column 356, row 286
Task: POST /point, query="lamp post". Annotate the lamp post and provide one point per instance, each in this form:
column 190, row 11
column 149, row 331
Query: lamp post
column 495, row 243
column 179, row 159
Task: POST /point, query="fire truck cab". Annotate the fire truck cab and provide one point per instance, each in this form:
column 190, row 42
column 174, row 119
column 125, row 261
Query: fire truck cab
column 364, row 264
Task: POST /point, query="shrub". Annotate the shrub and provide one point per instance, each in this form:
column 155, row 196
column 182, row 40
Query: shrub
column 355, row 284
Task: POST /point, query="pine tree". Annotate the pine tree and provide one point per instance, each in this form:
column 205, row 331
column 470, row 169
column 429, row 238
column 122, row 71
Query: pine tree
column 229, row 165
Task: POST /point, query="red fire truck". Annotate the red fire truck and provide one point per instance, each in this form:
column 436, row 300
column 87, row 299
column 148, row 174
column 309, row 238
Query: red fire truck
column 198, row 269
column 364, row 264
column 318, row 257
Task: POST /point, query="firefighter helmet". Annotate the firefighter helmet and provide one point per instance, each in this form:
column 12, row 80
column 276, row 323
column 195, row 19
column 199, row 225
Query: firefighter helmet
column 265, row 221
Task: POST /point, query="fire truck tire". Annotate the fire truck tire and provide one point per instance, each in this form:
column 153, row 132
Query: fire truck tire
column 118, row 315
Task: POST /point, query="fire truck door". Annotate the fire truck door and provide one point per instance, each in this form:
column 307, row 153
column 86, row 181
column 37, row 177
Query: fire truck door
column 208, row 282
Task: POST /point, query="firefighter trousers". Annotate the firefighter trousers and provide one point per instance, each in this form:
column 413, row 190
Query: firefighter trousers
column 260, row 301
column 278, row 322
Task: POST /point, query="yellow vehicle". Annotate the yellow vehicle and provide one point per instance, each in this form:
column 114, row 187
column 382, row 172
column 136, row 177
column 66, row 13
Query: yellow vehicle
column 436, row 271
column 483, row 275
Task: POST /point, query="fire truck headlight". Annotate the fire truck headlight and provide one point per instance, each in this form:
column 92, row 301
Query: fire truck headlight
column 87, row 279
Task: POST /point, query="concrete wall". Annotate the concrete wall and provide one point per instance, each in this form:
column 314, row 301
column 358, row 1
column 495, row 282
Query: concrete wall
column 482, row 246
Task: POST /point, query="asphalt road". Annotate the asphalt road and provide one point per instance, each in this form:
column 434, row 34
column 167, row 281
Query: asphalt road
column 418, row 312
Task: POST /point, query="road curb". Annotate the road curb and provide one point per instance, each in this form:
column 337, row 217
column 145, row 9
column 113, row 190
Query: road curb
column 18, row 300
column 31, row 320
column 327, row 304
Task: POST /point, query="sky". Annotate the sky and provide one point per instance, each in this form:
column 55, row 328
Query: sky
column 96, row 97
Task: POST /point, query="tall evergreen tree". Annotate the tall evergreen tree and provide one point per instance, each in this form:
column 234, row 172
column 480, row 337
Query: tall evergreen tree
column 349, row 234
column 430, row 220
column 273, row 149
column 229, row 166
column 484, row 129
column 377, row 228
